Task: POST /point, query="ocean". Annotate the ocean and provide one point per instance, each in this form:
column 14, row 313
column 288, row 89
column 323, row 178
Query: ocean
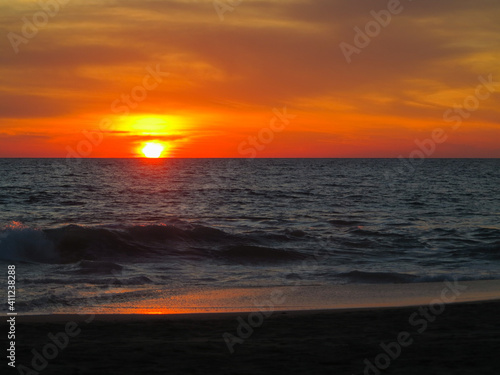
column 101, row 234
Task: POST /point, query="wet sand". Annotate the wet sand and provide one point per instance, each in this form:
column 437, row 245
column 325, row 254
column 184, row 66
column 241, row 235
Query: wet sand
column 461, row 338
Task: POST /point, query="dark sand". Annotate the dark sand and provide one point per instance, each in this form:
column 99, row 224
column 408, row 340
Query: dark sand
column 464, row 339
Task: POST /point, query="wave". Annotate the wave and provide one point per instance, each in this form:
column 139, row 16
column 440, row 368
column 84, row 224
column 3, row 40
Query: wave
column 62, row 299
column 25, row 244
column 486, row 250
column 90, row 267
column 259, row 254
column 377, row 277
column 103, row 250
column 98, row 249
column 365, row 277
column 345, row 223
column 118, row 281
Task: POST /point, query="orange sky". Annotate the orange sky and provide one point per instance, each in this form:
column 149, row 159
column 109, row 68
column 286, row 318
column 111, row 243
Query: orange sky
column 101, row 78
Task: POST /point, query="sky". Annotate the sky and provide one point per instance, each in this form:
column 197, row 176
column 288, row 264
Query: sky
column 250, row 78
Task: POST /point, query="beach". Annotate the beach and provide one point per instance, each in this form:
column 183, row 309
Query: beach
column 211, row 266
column 259, row 187
column 462, row 339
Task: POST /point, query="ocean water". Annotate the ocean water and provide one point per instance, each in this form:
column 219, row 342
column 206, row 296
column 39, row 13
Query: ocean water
column 109, row 232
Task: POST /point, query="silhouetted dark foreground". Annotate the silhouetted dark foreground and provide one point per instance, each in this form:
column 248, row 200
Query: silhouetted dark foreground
column 462, row 339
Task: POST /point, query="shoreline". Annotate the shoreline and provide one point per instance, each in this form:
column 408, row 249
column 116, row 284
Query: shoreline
column 461, row 338
column 138, row 317
column 288, row 298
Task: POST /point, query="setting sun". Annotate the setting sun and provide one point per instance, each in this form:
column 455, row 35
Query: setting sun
column 152, row 150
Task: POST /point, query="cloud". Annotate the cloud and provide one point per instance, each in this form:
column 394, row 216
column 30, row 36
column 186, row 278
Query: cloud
column 30, row 106
column 265, row 54
column 23, row 137
column 159, row 137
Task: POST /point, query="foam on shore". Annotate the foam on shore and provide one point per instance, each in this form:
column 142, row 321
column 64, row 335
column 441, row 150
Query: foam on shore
column 296, row 298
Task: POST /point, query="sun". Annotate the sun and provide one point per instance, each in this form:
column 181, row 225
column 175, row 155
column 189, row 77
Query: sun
column 152, row 150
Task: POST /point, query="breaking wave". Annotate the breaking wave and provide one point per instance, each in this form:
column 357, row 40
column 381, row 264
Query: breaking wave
column 96, row 248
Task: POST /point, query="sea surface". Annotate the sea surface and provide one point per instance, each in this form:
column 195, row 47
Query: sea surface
column 114, row 232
